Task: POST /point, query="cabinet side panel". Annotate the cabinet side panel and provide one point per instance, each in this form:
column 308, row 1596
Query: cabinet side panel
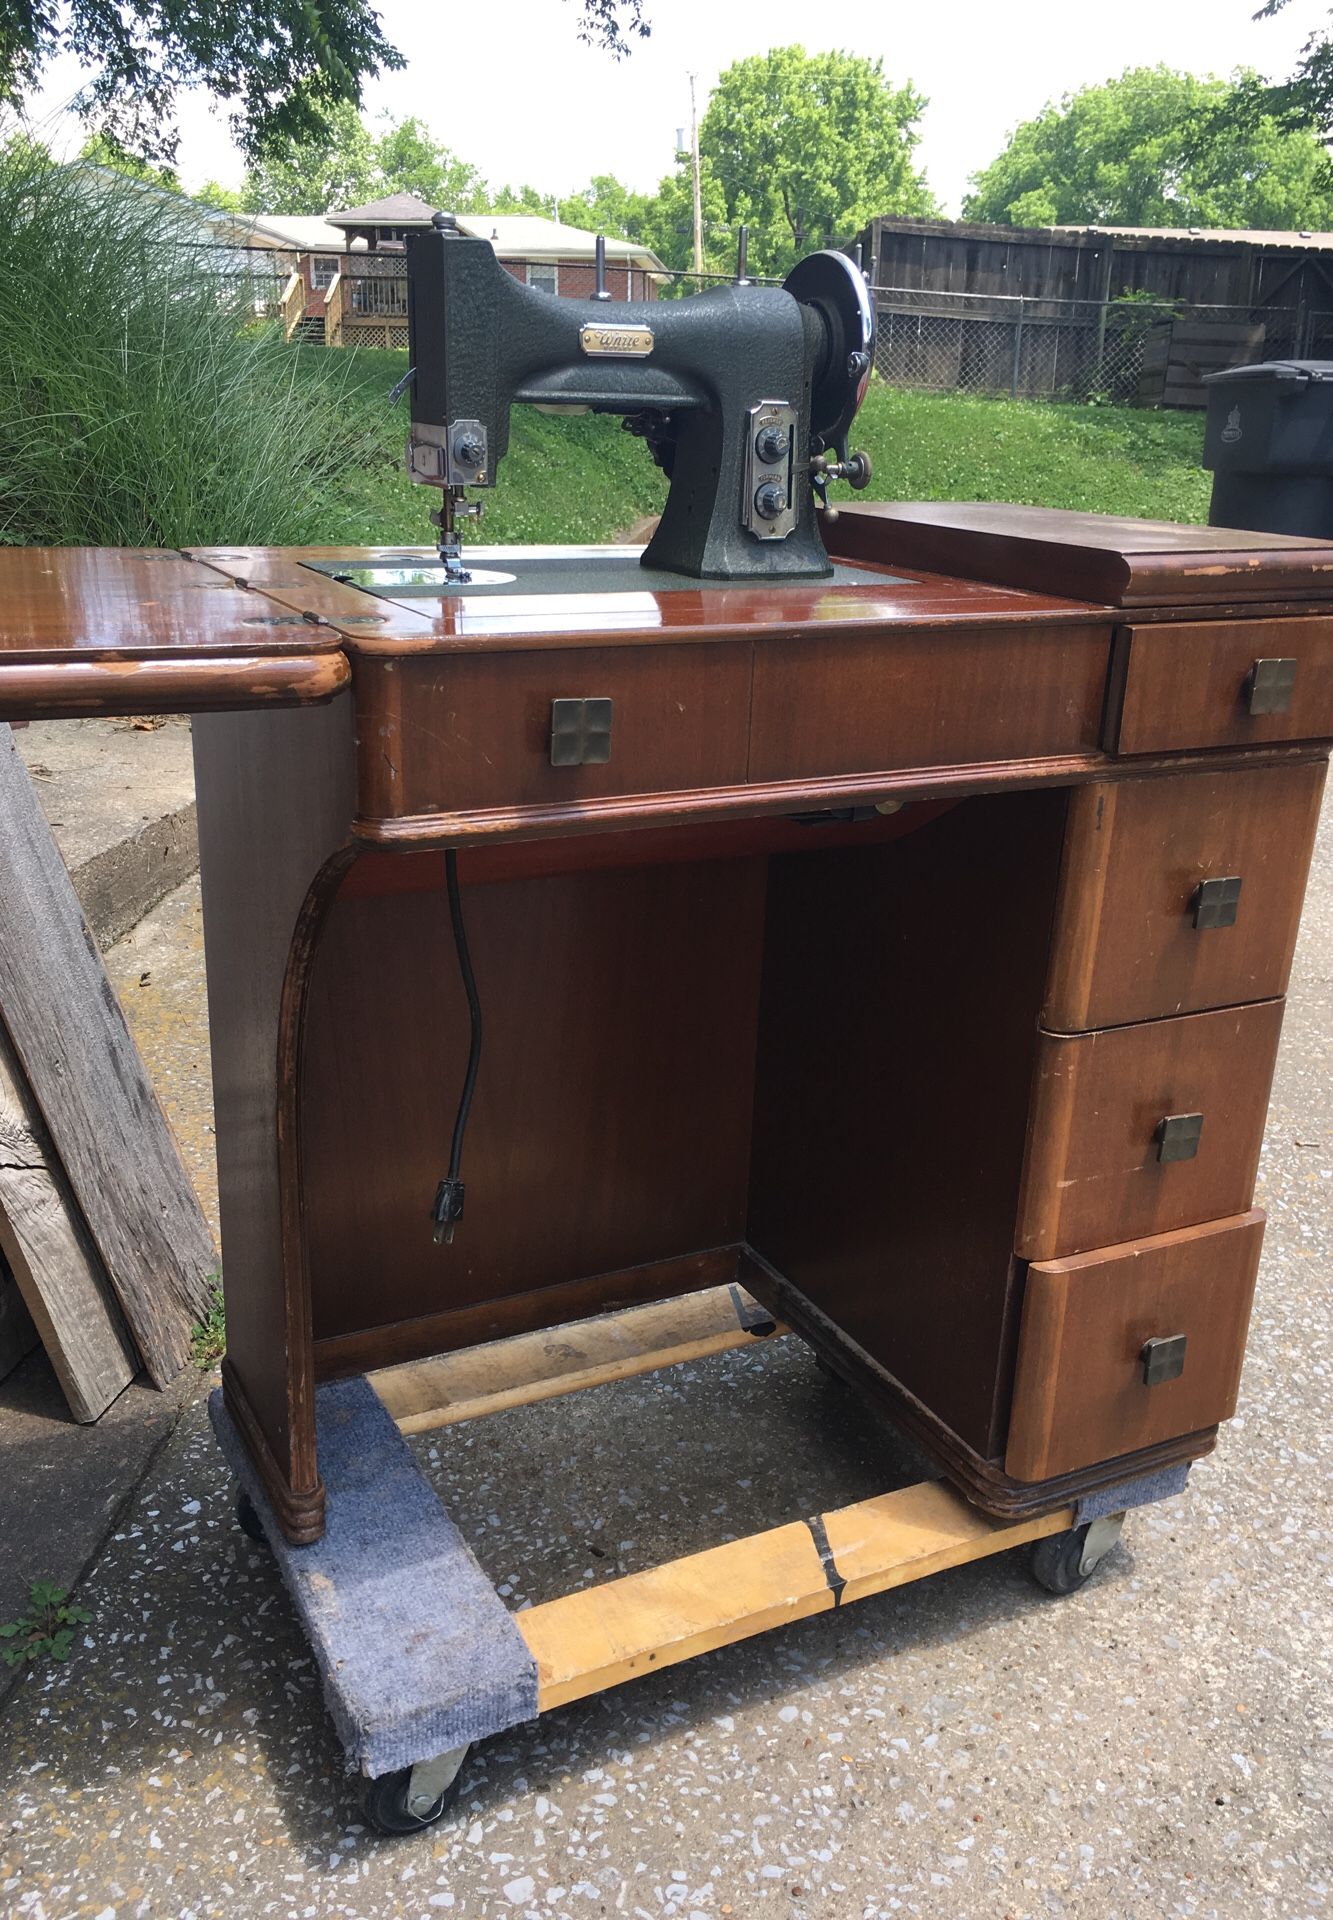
column 275, row 795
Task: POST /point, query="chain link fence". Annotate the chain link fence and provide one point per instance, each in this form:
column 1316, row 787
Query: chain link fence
column 1127, row 351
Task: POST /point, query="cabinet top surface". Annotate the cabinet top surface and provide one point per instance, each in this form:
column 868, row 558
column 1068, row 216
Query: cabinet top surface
column 63, row 604
column 1106, row 558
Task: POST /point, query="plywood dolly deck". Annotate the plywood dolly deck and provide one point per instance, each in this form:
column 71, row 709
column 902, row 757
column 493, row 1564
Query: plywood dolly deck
column 588, row 1641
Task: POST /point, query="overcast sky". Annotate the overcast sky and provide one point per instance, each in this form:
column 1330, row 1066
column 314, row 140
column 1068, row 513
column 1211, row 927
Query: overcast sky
column 508, row 86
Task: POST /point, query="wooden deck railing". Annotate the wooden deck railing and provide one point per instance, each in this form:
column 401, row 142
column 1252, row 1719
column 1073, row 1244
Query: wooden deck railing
column 292, row 305
column 359, row 309
column 334, row 311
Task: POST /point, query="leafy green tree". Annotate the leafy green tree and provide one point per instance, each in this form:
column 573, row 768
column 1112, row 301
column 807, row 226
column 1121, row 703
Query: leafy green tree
column 223, row 199
column 352, row 164
column 607, row 206
column 666, row 220
column 101, row 152
column 521, row 199
column 1304, row 100
column 807, row 148
column 281, row 66
column 1155, row 148
column 316, row 172
column 407, row 160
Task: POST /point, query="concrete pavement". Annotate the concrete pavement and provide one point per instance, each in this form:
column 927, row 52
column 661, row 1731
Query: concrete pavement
column 1159, row 1744
column 119, row 798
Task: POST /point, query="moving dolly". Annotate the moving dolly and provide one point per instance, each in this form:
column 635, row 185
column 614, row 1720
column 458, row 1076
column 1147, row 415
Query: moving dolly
column 375, row 1632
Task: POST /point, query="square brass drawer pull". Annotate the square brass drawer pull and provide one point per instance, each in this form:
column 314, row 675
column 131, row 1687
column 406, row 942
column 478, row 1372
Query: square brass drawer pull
column 1177, row 1136
column 1214, row 902
column 580, row 733
column 1269, row 686
column 1163, row 1359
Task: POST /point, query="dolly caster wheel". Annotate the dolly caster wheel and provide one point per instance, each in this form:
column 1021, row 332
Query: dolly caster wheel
column 415, row 1797
column 248, row 1520
column 1064, row 1562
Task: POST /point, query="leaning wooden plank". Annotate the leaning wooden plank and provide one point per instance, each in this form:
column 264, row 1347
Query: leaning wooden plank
column 423, row 1394
column 85, row 1073
column 588, row 1641
column 53, row 1261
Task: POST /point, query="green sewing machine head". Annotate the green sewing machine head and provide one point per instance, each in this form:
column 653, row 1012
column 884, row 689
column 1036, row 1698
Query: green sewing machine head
column 744, row 395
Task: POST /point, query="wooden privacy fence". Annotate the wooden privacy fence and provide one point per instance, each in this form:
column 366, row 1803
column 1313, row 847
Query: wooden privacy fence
column 1077, row 350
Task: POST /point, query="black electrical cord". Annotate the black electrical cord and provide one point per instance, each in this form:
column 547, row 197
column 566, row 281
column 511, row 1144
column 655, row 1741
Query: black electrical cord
column 448, row 1206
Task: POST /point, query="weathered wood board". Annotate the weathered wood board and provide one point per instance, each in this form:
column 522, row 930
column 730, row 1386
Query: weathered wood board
column 83, row 1069
column 602, row 1636
column 439, row 1392
column 54, row 1264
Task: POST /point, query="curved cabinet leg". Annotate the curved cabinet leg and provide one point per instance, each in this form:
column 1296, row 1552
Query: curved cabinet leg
column 276, row 795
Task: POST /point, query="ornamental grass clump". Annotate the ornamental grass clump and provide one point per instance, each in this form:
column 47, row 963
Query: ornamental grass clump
column 142, row 402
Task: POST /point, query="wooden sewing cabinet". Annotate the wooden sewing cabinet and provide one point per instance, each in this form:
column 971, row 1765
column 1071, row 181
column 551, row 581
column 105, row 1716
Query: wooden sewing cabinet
column 911, row 951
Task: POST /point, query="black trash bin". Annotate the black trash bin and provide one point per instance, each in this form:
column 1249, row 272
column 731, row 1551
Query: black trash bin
column 1269, row 443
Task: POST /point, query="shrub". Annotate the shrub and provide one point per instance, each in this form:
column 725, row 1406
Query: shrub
column 141, row 404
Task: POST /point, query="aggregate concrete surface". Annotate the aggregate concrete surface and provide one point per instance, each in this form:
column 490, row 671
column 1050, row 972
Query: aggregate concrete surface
column 119, row 797
column 1159, row 1744
column 62, row 1485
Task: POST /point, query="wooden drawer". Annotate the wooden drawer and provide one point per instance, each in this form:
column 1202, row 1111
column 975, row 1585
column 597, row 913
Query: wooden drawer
column 1134, row 937
column 443, row 734
column 1097, row 1171
column 1080, row 1391
column 1187, row 684
column 866, row 703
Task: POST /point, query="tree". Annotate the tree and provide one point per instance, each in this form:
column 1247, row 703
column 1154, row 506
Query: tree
column 100, row 152
column 314, row 173
column 408, row 160
column 282, row 66
column 807, row 148
column 521, row 199
column 1156, row 148
column 1306, row 99
column 607, row 206
column 666, row 222
column 602, row 26
column 353, row 164
column 221, row 199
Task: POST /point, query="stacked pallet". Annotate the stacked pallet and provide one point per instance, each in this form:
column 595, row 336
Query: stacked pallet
column 105, row 1251
column 1178, row 353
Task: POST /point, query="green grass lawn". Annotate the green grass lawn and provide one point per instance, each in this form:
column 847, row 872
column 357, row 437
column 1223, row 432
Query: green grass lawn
column 585, row 479
column 944, row 446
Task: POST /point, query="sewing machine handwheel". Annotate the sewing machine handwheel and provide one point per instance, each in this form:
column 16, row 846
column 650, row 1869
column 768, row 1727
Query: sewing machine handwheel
column 832, row 284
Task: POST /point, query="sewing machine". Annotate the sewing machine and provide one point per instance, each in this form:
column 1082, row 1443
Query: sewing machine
column 893, row 936
column 738, row 393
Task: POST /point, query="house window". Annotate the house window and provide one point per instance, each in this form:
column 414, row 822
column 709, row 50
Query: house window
column 323, row 271
column 546, row 278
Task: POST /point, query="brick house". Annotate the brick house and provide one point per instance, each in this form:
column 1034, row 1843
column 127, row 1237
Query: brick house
column 349, row 283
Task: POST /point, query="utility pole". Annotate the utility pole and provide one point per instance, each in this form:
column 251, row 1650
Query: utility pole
column 698, row 197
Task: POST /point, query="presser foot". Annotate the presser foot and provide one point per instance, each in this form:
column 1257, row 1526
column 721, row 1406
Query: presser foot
column 453, row 508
